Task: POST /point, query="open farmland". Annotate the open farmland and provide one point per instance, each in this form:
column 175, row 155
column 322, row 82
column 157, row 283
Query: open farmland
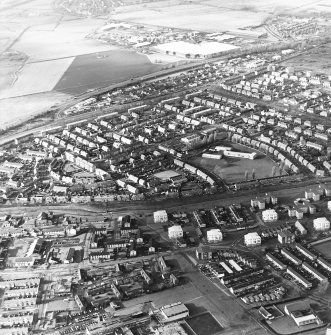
column 212, row 15
column 38, row 45
column 18, row 110
column 65, row 38
column 194, row 16
column 30, row 81
column 38, row 33
column 103, row 69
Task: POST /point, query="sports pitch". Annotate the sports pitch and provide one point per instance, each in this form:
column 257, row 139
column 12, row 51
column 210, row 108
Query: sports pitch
column 324, row 248
column 232, row 170
column 204, row 324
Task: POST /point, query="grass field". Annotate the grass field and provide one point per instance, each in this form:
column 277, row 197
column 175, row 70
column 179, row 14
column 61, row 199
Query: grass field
column 317, row 60
column 103, row 69
column 194, row 16
column 37, row 45
column 20, row 109
column 204, row 324
column 324, row 249
column 56, row 38
column 212, row 15
column 37, row 78
column 232, row 170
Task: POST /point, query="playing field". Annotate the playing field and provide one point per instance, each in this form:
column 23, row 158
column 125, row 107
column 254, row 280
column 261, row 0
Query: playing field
column 102, row 69
column 204, row 324
column 324, row 248
column 233, row 170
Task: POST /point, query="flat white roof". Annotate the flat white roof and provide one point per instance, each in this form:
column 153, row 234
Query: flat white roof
column 174, row 309
column 204, row 48
column 321, row 220
column 253, row 235
column 164, row 175
column 175, row 228
column 213, row 231
column 161, row 211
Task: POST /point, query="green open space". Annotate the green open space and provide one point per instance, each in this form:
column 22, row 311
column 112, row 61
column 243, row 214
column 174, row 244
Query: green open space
column 232, row 170
column 204, row 324
column 324, row 248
